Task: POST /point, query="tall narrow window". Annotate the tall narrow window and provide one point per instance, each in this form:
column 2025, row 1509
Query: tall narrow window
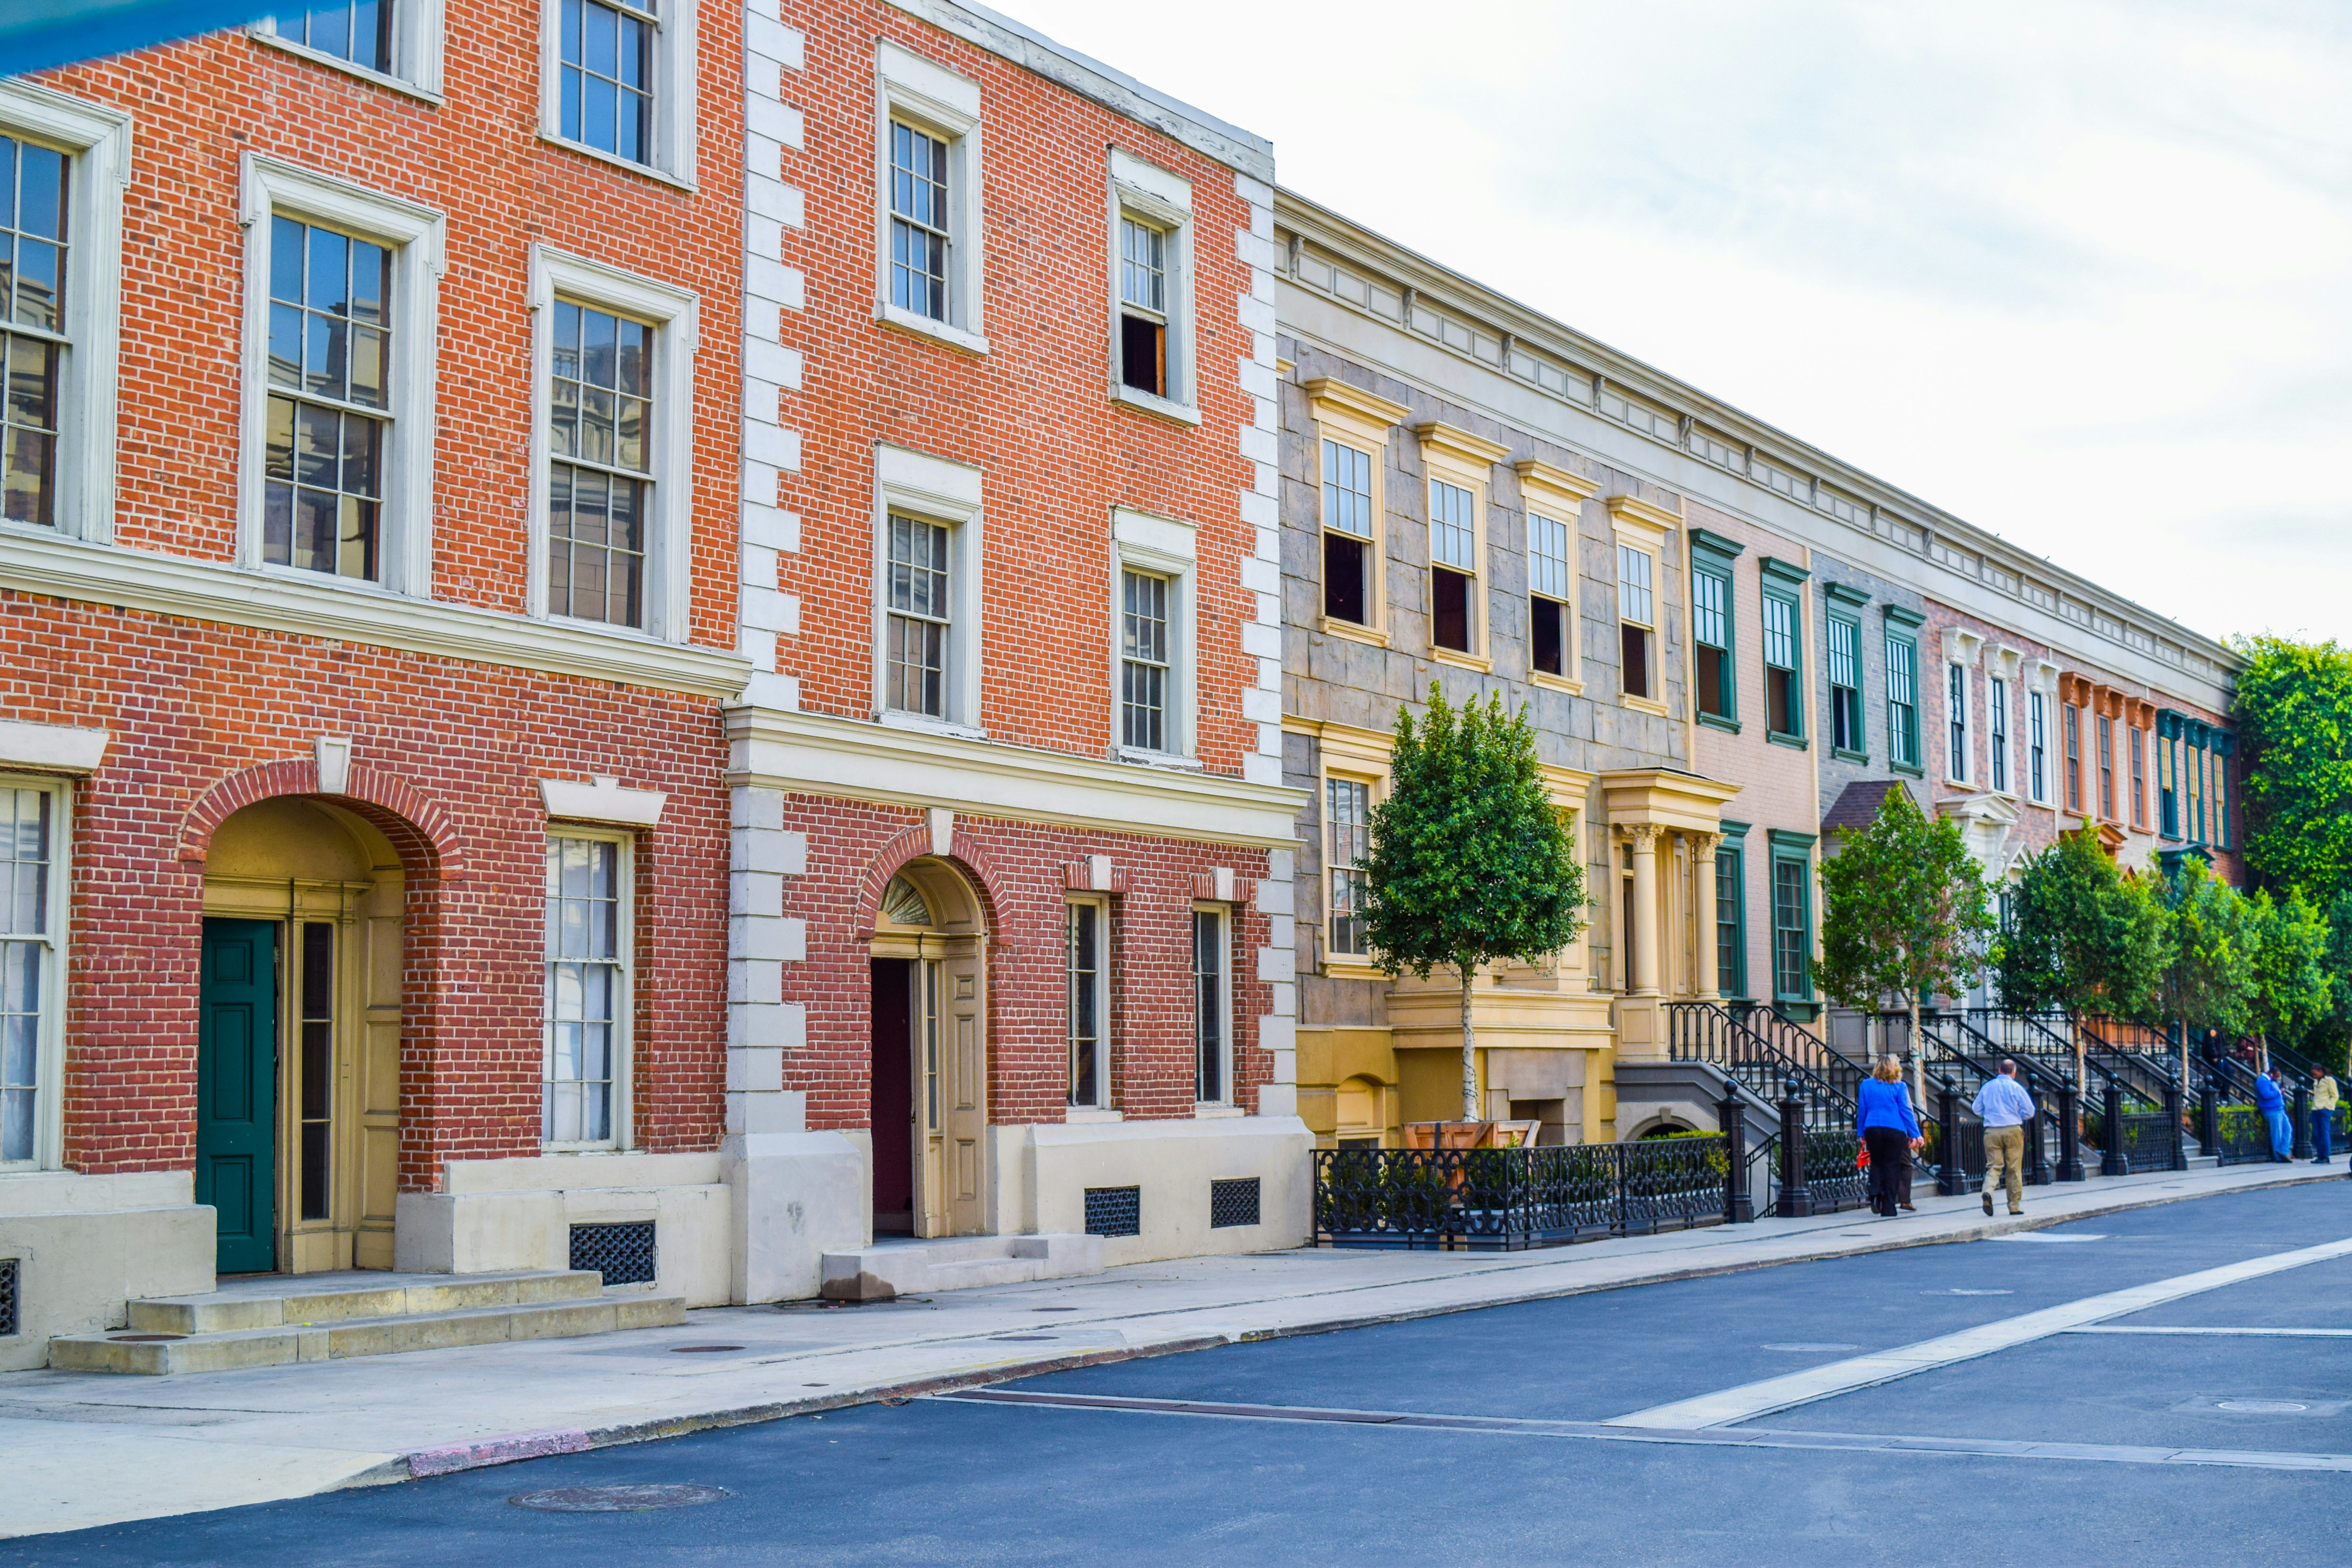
column 1348, row 563
column 28, row 987
column 1636, row 619
column 1845, row 685
column 1552, row 582
column 2106, row 768
column 1143, row 661
column 1730, row 925
column 33, row 209
column 2138, row 776
column 1348, row 821
column 318, row 1064
column 918, row 222
column 1903, row 701
column 1996, row 700
column 1784, row 710
column 2037, row 743
column 1711, row 630
column 1144, row 305
column 359, row 31
column 329, row 402
column 1211, row 1049
column 2167, row 777
column 916, row 639
column 607, row 76
column 1453, row 564
column 2222, row 798
column 2071, row 724
column 587, row 988
column 1087, row 1006
column 600, row 445
column 1791, row 932
column 1956, row 702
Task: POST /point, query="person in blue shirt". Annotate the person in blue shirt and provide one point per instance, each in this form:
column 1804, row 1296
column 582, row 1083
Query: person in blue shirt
column 2270, row 1100
column 2004, row 1107
column 1889, row 1129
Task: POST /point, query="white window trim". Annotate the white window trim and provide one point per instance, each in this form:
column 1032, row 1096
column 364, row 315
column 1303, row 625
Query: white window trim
column 49, row 1050
column 98, row 139
column 624, row 1010
column 417, row 26
column 1153, row 196
column 675, row 93
column 1101, row 906
column 675, row 314
column 933, row 99
column 2003, row 664
column 1963, row 648
column 915, row 484
column 1225, row 1002
column 415, row 235
column 1163, row 545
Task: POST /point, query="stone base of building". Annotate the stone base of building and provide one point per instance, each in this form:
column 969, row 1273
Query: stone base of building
column 85, row 1246
column 1044, row 1172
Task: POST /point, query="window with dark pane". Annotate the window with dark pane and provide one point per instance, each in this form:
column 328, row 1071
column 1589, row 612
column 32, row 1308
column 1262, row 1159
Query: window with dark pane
column 1085, row 971
column 1144, row 305
column 1711, row 630
column 1956, row 707
column 2138, row 777
column 34, row 203
column 1551, row 578
column 2037, row 745
column 1209, row 1006
column 329, row 399
column 2072, row 726
column 2106, row 733
column 1347, row 562
column 1730, row 925
column 359, row 31
column 586, row 987
column 26, row 946
column 1997, row 706
column 918, row 222
column 1784, row 693
column 600, row 420
column 915, row 634
column 1845, row 685
column 1453, row 560
column 1903, row 701
column 1143, row 661
column 606, row 77
column 1634, row 623
column 1348, row 820
column 318, row 1063
column 1791, row 930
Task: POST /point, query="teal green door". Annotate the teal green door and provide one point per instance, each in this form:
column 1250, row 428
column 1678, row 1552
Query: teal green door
column 236, row 1091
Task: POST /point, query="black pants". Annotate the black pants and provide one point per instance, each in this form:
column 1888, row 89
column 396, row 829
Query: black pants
column 1890, row 1155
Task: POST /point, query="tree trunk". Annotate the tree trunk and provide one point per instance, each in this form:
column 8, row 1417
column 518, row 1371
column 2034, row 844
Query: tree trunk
column 1469, row 1052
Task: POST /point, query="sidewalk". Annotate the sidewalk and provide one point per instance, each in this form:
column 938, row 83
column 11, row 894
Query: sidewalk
column 89, row 1448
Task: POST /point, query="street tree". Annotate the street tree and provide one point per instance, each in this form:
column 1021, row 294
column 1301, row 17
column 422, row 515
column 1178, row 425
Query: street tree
column 2293, row 710
column 2288, row 989
column 2208, row 973
column 1470, row 861
column 2083, row 937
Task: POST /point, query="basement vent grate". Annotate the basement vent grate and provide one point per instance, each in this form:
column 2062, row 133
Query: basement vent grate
column 1114, row 1211
column 1232, row 1203
column 622, row 1253
column 11, row 1296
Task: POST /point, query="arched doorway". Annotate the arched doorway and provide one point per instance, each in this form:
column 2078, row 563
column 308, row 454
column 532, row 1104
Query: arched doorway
column 297, row 1120
column 930, row 1081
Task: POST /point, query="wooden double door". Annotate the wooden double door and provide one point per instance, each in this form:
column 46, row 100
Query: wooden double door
column 929, row 1117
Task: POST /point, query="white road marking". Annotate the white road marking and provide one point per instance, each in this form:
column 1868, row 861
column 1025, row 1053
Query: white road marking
column 2249, row 1334
column 2047, row 1237
column 1750, row 1400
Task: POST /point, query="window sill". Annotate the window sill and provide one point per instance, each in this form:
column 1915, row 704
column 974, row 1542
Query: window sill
column 1352, row 631
column 1844, row 755
column 1142, row 758
column 1351, row 969
column 1088, row 1116
column 1550, row 682
column 1648, row 705
column 1158, row 407
column 1797, row 1009
column 303, row 51
column 939, row 332
column 646, row 170
column 892, row 719
column 1906, row 770
column 1457, row 657
column 1719, row 722
column 1797, row 742
column 1216, row 1110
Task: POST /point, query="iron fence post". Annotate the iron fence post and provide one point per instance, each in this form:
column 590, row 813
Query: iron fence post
column 2172, row 1121
column 2112, row 1162
column 2209, row 1112
column 1738, row 1202
column 2302, row 1150
column 2070, row 1134
column 1952, row 1174
column 1796, row 1198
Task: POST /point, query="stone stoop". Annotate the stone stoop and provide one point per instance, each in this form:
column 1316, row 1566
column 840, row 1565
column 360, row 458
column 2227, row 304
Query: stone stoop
column 280, row 1319
column 956, row 1263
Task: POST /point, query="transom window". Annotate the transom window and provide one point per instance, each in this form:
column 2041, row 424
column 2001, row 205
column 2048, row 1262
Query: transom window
column 359, row 31
column 1348, row 823
column 918, row 222
column 1845, row 685
column 1143, row 661
column 1087, row 939
column 1348, row 536
column 1711, row 630
column 1551, row 576
column 28, row 962
column 600, row 439
column 34, row 199
column 607, row 76
column 329, row 413
column 587, row 988
column 916, row 640
column 1144, row 305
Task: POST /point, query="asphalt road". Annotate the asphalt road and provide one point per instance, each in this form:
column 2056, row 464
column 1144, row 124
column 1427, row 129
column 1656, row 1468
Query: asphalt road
column 956, row 1481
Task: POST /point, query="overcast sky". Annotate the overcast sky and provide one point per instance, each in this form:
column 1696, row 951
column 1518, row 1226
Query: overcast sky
column 2080, row 273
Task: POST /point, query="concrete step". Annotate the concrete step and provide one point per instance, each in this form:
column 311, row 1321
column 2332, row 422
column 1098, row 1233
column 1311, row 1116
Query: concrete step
column 278, row 1344
column 893, row 1269
column 279, row 1301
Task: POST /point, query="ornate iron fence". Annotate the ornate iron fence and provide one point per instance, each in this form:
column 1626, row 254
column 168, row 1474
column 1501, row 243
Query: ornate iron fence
column 1832, row 1173
column 2151, row 1140
column 1507, row 1199
column 2241, row 1135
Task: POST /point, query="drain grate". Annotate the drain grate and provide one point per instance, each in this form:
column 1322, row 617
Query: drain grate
column 1232, row 1203
column 11, row 1295
column 622, row 1252
column 639, row 1498
column 1114, row 1211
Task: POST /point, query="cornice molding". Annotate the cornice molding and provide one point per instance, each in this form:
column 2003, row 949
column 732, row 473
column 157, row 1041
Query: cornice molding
column 197, row 590
column 1453, row 441
column 1328, row 395
column 1553, row 483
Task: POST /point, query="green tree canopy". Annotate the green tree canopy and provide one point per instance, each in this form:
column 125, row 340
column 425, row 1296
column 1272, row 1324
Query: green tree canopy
column 2083, row 937
column 1905, row 911
column 2293, row 709
column 2288, row 988
column 2207, row 980
column 1470, row 862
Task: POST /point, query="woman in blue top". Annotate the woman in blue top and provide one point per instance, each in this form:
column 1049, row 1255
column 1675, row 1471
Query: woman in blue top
column 1888, row 1128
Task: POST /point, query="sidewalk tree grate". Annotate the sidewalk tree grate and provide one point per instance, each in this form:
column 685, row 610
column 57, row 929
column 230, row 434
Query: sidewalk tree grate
column 1114, row 1211
column 637, row 1499
column 1232, row 1203
column 622, row 1252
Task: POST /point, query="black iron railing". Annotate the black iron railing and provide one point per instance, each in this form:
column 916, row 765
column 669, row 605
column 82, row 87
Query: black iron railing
column 2241, row 1135
column 1507, row 1199
column 1763, row 1065
column 1832, row 1172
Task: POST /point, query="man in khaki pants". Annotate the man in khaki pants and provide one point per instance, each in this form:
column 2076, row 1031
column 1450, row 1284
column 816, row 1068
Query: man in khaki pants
column 2004, row 1107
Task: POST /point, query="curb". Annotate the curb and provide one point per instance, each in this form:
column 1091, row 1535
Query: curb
column 515, row 1446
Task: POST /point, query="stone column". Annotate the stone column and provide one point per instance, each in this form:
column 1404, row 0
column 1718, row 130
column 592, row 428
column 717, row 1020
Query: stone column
column 1703, row 848
column 1644, row 838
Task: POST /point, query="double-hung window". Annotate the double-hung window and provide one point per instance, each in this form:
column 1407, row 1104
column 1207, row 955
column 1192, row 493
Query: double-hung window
column 394, row 42
column 1793, row 933
column 1711, row 631
column 2138, row 776
column 1087, row 969
column 1730, row 922
column 1144, row 660
column 1636, row 620
column 621, row 75
column 927, row 134
column 1347, row 852
column 33, row 894
column 1903, row 699
column 2037, row 745
column 1784, row 687
column 36, row 195
column 918, row 222
column 1151, row 615
column 1552, row 584
column 1996, row 700
column 1151, row 236
column 1144, row 305
column 590, row 916
column 329, row 411
column 1212, row 1046
column 928, row 516
column 357, row 31
column 1845, row 685
column 601, row 429
column 1348, row 541
column 1453, row 566
column 2106, row 733
column 1956, row 704
column 916, row 638
column 2071, row 725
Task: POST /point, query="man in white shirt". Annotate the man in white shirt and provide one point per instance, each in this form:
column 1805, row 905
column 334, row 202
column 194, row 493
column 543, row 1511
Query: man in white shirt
column 2004, row 1107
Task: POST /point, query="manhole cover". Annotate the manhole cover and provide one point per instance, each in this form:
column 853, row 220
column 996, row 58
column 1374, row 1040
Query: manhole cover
column 2261, row 1406
column 701, row 1350
column 143, row 1338
column 636, row 1498
column 1800, row 1345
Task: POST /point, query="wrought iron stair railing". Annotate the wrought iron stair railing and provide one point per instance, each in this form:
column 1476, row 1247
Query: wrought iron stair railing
column 1707, row 1032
